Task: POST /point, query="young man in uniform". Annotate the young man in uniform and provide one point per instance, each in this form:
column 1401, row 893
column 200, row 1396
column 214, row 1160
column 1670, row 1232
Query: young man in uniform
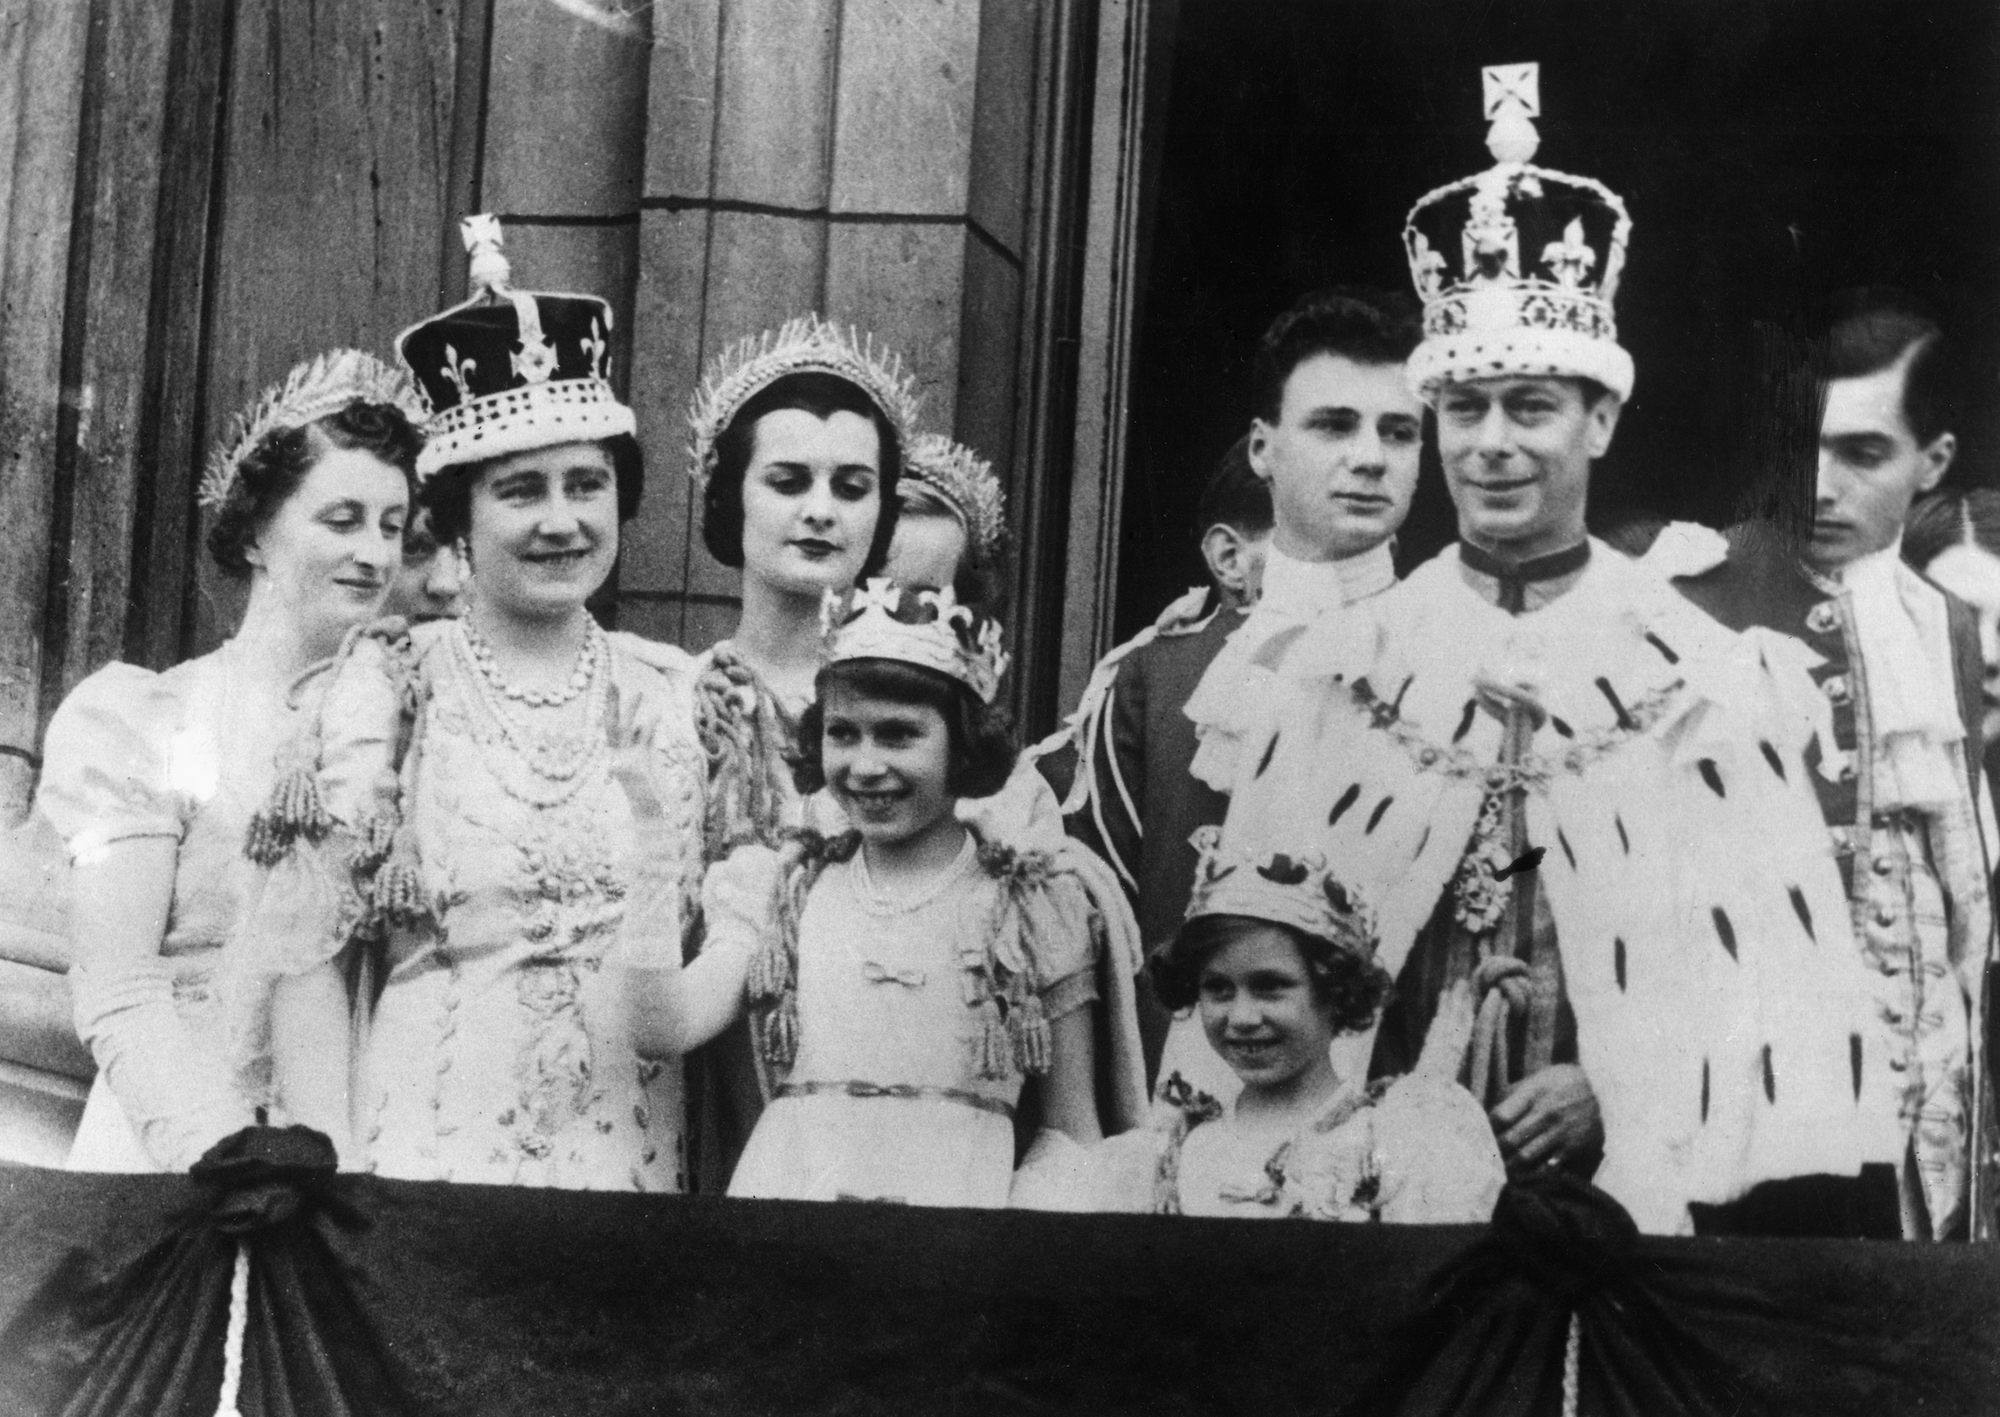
column 1331, row 464
column 1894, row 761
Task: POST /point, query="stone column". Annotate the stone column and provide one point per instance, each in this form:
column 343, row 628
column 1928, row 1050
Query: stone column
column 868, row 160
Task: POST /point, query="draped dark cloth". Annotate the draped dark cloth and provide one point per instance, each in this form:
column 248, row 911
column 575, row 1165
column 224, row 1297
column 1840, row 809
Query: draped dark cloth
column 107, row 1335
column 488, row 1300
column 1658, row 1328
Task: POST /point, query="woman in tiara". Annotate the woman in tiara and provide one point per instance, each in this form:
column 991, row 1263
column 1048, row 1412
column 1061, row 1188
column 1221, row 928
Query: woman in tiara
column 151, row 779
column 456, row 796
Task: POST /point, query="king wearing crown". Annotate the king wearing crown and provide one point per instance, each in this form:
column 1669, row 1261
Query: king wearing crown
column 1554, row 777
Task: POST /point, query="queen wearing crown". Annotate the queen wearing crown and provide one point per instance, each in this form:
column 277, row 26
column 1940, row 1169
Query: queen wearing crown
column 450, row 815
column 152, row 779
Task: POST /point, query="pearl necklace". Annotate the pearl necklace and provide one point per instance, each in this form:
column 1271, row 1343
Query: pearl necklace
column 587, row 656
column 882, row 904
column 559, row 760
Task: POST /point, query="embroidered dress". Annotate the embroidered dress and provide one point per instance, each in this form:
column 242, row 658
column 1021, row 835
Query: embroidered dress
column 186, row 756
column 499, row 1050
column 1653, row 759
column 899, row 1031
column 1413, row 1151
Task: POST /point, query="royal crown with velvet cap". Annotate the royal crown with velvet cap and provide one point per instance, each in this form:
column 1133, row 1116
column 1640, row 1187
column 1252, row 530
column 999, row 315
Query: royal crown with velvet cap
column 1287, row 890
column 915, row 625
column 509, row 371
column 1517, row 266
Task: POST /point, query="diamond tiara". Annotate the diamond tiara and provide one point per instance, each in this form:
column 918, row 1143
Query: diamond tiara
column 321, row 386
column 964, row 480
column 805, row 344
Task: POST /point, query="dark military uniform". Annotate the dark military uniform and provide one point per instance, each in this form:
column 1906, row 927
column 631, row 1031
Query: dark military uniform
column 1142, row 804
column 1904, row 898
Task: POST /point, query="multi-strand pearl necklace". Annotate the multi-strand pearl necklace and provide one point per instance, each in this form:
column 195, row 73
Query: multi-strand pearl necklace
column 587, row 656
column 555, row 758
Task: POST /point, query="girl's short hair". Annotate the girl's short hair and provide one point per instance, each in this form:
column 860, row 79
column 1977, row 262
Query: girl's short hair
column 1355, row 987
column 279, row 461
column 822, row 395
column 447, row 493
column 982, row 748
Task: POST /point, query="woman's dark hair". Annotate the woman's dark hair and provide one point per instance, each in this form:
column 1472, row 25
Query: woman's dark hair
column 447, row 493
column 982, row 748
column 279, row 461
column 1355, row 988
column 821, row 395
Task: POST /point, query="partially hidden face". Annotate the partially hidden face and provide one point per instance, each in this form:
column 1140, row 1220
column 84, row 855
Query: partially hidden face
column 1517, row 456
column 1259, row 1010
column 431, row 580
column 328, row 551
column 811, row 497
column 1871, row 467
column 1972, row 573
column 544, row 529
column 928, row 549
column 1236, row 561
column 1342, row 457
column 888, row 765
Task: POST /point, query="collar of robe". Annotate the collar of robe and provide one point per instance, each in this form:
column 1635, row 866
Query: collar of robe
column 1516, row 576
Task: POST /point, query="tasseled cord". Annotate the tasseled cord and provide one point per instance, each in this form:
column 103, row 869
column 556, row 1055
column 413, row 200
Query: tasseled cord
column 773, row 983
column 1572, row 1359
column 232, row 1344
column 1016, row 1032
column 295, row 812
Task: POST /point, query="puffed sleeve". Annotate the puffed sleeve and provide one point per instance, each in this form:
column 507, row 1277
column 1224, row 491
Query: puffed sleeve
column 1078, row 933
column 109, row 760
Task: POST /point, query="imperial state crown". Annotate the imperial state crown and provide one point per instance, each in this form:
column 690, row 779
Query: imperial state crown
column 1518, row 266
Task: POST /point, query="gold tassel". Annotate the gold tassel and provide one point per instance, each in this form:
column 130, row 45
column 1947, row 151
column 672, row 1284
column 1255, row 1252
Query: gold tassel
column 296, row 808
column 399, row 886
column 996, row 1046
column 1032, row 1046
column 770, row 972
column 264, row 844
column 781, row 1031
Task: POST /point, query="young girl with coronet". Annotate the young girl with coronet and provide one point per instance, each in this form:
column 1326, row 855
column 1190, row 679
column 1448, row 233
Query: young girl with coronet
column 906, row 977
column 1277, row 959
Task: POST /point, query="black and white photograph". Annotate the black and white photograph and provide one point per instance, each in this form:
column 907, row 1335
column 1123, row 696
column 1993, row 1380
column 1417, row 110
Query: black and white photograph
column 762, row 706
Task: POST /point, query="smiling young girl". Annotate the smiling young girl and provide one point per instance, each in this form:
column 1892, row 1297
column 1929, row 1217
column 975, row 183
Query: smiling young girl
column 1277, row 959
column 907, row 976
